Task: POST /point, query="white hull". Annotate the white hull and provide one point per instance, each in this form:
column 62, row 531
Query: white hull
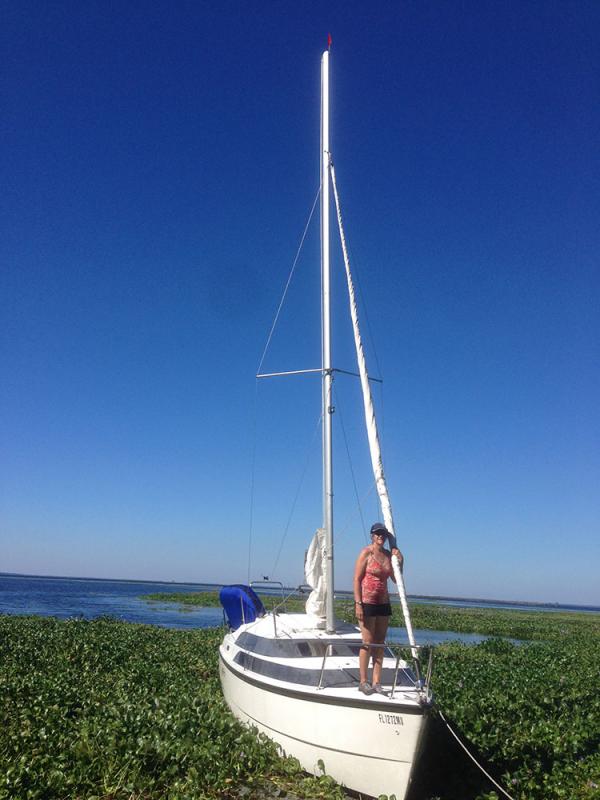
column 368, row 744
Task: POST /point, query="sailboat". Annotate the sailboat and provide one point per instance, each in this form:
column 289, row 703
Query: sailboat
column 294, row 677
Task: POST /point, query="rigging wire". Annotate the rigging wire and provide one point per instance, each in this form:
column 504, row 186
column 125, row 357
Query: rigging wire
column 365, row 316
column 338, row 408
column 341, row 529
column 374, row 444
column 264, row 353
column 289, row 280
column 364, row 307
column 297, row 495
column 252, row 475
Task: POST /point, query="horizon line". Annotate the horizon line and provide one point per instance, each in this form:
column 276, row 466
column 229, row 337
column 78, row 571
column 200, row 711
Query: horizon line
column 532, row 603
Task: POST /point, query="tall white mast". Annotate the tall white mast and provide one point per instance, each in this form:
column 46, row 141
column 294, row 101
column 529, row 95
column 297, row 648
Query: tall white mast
column 326, row 347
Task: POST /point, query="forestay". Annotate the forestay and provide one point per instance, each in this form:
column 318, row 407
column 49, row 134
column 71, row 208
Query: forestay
column 371, row 422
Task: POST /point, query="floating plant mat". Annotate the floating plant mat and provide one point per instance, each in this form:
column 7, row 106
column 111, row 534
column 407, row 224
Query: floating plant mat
column 521, row 625
column 117, row 710
column 107, row 709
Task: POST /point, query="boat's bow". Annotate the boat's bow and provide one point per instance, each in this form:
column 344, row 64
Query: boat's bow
column 299, row 686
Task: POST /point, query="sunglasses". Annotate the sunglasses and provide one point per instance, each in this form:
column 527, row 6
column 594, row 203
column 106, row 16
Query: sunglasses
column 383, row 534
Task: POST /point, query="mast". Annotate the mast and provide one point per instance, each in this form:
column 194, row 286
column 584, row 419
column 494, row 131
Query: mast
column 326, row 347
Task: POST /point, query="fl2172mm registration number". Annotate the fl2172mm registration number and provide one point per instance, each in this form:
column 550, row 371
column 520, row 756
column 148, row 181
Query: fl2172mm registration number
column 391, row 719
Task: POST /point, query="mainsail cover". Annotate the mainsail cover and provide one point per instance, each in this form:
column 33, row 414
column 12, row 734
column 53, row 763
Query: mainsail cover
column 371, row 422
column 314, row 574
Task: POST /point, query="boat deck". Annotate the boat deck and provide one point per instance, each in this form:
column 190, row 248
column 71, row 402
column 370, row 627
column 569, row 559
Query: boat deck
column 287, row 653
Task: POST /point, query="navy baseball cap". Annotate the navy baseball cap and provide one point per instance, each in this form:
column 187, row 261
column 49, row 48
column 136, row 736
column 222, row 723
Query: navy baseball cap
column 379, row 527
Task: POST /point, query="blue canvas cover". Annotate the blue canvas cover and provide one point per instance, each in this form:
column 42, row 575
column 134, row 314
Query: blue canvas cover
column 241, row 604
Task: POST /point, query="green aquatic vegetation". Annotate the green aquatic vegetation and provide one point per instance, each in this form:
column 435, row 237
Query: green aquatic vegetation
column 211, row 600
column 522, row 625
column 115, row 710
column 203, row 599
column 530, row 711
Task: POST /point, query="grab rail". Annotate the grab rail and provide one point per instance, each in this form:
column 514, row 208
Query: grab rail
column 422, row 686
column 267, row 582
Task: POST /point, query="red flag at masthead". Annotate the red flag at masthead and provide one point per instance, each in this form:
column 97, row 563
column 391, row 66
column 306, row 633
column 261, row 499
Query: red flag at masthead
column 329, row 41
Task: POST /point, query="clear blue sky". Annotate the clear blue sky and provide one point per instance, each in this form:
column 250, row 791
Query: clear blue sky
column 158, row 164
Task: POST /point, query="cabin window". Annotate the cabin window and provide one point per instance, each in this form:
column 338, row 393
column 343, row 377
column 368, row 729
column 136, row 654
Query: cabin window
column 332, row 678
column 297, row 648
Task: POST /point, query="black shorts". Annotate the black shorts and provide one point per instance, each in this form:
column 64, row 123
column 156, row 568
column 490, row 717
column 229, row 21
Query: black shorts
column 377, row 610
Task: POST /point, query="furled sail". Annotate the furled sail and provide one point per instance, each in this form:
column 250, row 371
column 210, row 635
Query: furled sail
column 314, row 574
column 371, row 422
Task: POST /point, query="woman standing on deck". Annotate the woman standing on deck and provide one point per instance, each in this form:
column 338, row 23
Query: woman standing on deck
column 373, row 609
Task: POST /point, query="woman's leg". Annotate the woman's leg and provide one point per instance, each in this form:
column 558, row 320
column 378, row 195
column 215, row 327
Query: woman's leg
column 379, row 633
column 367, row 629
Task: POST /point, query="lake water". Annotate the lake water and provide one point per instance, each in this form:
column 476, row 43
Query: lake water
column 89, row 598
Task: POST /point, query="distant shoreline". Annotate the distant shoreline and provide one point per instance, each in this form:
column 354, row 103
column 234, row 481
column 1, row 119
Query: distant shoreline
column 417, row 597
column 499, row 602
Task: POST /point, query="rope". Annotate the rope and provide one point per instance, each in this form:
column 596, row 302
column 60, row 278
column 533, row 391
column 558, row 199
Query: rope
column 473, row 759
column 289, row 280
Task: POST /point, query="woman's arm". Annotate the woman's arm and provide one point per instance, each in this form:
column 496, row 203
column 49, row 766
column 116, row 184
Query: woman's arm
column 359, row 574
column 396, row 552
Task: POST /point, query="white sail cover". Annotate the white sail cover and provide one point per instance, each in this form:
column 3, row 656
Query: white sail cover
column 314, row 574
column 371, row 423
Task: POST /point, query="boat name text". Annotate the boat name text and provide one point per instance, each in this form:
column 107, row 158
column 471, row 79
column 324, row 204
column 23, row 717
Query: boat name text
column 391, row 719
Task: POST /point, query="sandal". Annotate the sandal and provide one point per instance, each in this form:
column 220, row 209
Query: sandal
column 365, row 687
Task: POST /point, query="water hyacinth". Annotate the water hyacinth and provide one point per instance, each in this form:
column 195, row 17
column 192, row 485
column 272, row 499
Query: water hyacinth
column 530, row 712
column 115, row 710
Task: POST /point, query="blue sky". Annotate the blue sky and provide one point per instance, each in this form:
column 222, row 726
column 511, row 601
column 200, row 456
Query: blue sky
column 159, row 162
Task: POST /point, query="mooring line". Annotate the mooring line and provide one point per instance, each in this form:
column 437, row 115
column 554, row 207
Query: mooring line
column 473, row 759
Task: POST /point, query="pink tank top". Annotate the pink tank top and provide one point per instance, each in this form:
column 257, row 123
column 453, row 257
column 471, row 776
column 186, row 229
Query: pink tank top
column 374, row 583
